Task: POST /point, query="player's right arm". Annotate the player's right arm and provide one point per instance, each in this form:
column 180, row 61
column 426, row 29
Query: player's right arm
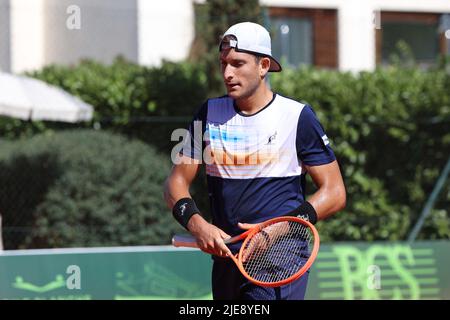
column 209, row 237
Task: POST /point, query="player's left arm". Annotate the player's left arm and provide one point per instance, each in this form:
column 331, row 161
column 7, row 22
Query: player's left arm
column 330, row 196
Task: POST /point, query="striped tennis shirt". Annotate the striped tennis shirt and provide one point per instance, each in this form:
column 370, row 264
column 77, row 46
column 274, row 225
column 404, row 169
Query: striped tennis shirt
column 255, row 163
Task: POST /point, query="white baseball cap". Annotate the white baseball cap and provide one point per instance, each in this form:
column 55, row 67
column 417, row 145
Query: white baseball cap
column 251, row 38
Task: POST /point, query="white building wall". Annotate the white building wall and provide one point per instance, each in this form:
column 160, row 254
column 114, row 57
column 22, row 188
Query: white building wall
column 106, row 29
column 166, row 30
column 33, row 33
column 356, row 36
column 437, row 6
column 27, row 34
column 143, row 31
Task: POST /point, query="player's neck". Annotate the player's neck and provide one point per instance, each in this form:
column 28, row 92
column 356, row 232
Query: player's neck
column 258, row 100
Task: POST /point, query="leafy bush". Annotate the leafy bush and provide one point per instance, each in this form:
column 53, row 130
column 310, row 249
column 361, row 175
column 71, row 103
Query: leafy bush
column 124, row 89
column 389, row 129
column 83, row 188
column 126, row 98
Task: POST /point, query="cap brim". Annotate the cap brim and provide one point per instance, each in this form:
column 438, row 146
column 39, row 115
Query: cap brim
column 275, row 66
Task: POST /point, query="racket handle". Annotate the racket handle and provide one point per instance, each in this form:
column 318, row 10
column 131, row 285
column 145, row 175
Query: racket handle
column 184, row 241
column 237, row 238
column 233, row 239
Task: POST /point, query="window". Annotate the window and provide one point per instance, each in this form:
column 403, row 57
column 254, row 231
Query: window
column 444, row 28
column 292, row 40
column 421, row 32
column 304, row 36
column 421, row 38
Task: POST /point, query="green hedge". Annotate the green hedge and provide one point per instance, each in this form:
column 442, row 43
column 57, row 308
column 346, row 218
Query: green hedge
column 126, row 98
column 124, row 90
column 389, row 129
column 83, row 188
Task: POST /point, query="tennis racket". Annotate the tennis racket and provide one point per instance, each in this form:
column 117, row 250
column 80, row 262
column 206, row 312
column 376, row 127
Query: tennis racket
column 273, row 253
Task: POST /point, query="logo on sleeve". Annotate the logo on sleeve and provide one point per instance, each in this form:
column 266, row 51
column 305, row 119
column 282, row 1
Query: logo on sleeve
column 325, row 139
column 303, row 216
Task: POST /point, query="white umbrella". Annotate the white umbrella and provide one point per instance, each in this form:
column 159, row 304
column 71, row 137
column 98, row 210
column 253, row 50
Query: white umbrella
column 27, row 98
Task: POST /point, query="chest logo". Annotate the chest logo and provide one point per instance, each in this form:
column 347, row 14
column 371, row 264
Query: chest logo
column 271, row 139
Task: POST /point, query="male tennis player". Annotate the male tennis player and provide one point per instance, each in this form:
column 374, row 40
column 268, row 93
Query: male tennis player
column 257, row 147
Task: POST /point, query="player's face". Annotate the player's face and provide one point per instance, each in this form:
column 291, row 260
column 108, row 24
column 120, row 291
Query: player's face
column 240, row 72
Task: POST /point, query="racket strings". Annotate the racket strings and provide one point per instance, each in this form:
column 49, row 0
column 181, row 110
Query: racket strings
column 277, row 252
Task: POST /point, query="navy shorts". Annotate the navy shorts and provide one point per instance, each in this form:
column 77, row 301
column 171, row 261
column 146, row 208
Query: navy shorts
column 229, row 284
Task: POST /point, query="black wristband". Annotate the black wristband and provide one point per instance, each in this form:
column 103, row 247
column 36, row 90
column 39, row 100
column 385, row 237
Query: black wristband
column 305, row 211
column 183, row 210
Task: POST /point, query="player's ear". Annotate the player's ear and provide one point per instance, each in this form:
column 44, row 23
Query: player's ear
column 264, row 66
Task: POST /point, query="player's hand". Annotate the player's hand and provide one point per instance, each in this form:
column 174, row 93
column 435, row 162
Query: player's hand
column 257, row 244
column 210, row 238
column 262, row 240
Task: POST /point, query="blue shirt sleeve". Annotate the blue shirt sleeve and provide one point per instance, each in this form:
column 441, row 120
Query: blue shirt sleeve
column 194, row 143
column 313, row 146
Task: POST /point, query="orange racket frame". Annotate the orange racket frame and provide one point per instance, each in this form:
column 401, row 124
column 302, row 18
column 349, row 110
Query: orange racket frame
column 189, row 241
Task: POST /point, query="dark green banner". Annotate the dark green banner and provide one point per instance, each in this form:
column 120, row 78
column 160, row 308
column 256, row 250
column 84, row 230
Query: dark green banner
column 341, row 271
column 110, row 273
